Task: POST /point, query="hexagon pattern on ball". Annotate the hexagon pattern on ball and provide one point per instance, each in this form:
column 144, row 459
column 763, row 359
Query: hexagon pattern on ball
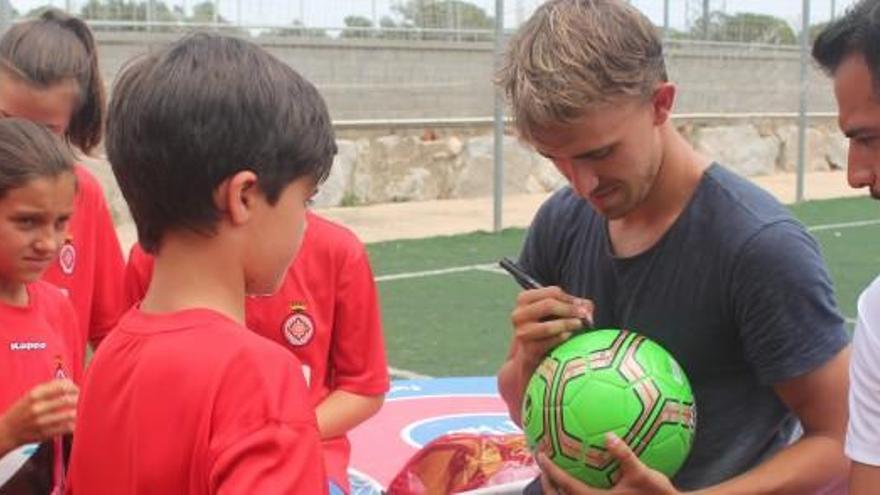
column 609, row 381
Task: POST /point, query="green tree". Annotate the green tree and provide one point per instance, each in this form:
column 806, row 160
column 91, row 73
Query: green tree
column 121, row 10
column 203, row 13
column 744, row 27
column 357, row 26
column 388, row 29
column 444, row 14
column 296, row 30
column 8, row 12
column 37, row 11
column 816, row 30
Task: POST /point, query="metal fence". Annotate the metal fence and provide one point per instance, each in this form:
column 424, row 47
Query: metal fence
column 430, row 63
column 743, row 21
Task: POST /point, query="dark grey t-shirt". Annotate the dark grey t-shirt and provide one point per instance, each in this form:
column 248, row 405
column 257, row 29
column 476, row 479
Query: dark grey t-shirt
column 736, row 290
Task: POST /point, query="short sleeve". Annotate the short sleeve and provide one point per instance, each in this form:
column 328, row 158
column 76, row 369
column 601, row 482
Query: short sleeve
column 264, row 437
column 358, row 363
column 273, row 458
column 784, row 305
column 863, row 433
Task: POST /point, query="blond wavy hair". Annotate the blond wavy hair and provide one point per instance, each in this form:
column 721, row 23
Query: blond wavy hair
column 572, row 55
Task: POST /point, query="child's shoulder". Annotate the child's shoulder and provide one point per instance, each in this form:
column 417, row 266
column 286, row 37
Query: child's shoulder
column 323, row 231
column 50, row 296
column 330, row 243
column 53, row 305
column 87, row 183
column 218, row 339
column 249, row 366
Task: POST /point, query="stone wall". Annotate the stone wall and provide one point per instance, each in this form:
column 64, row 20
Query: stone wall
column 423, row 164
column 397, row 165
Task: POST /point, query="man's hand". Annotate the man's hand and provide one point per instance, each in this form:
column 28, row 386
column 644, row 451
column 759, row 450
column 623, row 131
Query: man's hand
column 635, row 477
column 47, row 410
column 543, row 319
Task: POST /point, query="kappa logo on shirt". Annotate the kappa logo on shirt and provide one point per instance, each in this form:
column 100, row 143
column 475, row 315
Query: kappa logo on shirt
column 298, row 328
column 67, row 257
column 27, row 346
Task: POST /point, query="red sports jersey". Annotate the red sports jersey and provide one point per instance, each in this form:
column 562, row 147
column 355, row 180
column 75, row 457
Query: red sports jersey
column 36, row 349
column 326, row 313
column 90, row 267
column 191, row 402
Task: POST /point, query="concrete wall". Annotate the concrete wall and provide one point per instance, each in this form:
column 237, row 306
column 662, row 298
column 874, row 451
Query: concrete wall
column 399, row 79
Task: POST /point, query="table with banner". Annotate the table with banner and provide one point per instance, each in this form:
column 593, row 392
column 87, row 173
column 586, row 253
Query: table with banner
column 440, row 435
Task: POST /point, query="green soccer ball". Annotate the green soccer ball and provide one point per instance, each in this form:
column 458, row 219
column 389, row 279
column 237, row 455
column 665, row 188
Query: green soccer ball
column 609, row 381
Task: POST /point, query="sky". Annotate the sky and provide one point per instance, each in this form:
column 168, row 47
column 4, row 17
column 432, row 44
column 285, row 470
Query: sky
column 330, row 13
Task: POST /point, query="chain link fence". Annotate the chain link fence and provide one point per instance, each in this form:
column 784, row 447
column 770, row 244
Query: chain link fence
column 424, row 65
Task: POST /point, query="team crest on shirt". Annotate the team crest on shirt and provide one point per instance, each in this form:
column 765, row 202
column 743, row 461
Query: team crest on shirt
column 299, row 327
column 67, row 257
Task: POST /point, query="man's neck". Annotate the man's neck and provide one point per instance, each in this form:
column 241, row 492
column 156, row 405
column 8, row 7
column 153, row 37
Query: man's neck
column 194, row 271
column 681, row 169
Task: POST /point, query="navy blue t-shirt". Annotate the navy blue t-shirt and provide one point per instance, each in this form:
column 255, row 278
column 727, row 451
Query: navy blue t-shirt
column 736, row 290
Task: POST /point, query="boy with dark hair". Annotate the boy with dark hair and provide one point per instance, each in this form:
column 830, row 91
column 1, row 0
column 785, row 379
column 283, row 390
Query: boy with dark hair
column 326, row 313
column 849, row 50
column 217, row 147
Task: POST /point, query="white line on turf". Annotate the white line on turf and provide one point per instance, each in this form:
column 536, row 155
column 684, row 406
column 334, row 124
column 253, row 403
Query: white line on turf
column 406, row 374
column 493, row 268
column 429, row 273
column 845, row 225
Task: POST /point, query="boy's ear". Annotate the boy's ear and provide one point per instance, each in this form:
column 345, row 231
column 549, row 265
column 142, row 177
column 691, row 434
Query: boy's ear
column 237, row 195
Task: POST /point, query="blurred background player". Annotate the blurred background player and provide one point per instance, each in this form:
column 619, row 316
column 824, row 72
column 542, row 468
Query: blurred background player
column 40, row 362
column 49, row 74
column 217, row 147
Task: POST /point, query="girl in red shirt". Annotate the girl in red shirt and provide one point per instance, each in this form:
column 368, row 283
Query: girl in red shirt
column 49, row 74
column 38, row 362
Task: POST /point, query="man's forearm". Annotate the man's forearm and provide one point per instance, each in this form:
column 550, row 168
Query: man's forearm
column 513, row 377
column 864, row 479
column 813, row 464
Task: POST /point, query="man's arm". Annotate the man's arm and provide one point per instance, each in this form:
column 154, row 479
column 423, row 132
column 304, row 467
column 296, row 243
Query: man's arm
column 816, row 461
column 513, row 377
column 863, row 479
column 794, row 339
